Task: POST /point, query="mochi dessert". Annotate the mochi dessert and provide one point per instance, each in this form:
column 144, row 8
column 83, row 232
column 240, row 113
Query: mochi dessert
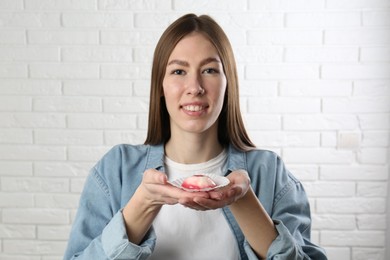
column 198, row 182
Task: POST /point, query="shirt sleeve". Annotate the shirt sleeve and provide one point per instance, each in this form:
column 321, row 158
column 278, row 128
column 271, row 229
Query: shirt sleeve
column 99, row 231
column 291, row 216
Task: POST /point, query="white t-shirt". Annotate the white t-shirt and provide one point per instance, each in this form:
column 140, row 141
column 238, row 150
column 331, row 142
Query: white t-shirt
column 184, row 233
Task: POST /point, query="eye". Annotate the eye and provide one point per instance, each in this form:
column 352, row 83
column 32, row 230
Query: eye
column 178, row 72
column 210, row 71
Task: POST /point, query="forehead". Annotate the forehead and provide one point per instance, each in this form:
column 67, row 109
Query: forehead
column 194, row 45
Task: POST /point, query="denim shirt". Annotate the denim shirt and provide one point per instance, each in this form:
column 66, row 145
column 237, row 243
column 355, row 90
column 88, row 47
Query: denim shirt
column 99, row 231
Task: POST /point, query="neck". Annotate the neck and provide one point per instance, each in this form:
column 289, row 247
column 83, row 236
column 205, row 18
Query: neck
column 193, row 148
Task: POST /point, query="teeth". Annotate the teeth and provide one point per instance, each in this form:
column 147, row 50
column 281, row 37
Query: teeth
column 193, row 108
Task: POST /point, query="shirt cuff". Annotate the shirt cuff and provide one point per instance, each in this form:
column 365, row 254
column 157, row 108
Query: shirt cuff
column 116, row 243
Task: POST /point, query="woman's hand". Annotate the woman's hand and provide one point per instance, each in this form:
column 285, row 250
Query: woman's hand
column 156, row 191
column 237, row 188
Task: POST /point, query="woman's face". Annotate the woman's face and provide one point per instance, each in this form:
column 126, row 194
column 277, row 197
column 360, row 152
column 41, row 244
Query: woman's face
column 194, row 85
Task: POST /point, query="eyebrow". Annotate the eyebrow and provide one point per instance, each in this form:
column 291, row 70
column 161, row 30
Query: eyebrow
column 186, row 64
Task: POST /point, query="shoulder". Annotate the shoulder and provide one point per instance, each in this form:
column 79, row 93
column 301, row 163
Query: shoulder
column 122, row 155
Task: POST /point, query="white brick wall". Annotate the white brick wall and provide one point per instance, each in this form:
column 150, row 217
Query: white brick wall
column 315, row 87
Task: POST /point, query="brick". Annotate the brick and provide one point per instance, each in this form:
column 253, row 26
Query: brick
column 142, row 122
column 374, row 121
column 357, row 172
column 329, row 139
column 30, row 19
column 102, row 121
column 330, row 189
column 325, row 19
column 365, row 36
column 12, row 103
column 284, row 105
column 333, row 222
column 87, row 153
column 202, row 5
column 263, row 88
column 250, row 20
column 338, row 252
column 29, row 152
column 126, row 105
column 285, row 139
column 284, row 37
column 34, row 247
column 11, row 5
column 68, row 37
column 19, row 257
column 143, row 55
column 12, row 36
column 321, row 54
column 356, row 72
column 356, row 205
column 356, row 105
column 17, row 231
column 373, row 155
column 33, row 120
column 371, row 88
column 118, row 137
column 62, row 169
column 297, row 5
column 94, row 54
column 80, row 137
column 60, row 5
column 77, row 185
column 65, row 71
column 356, row 4
column 144, row 37
column 35, row 216
column 371, row 222
column 59, row 201
column 359, row 253
column 353, row 238
column 18, row 200
column 317, row 155
column 16, row 168
column 15, row 136
column 67, row 104
column 320, row 122
column 135, row 5
column 377, row 54
column 30, row 87
column 119, row 71
column 141, row 88
column 376, row 18
column 20, row 53
column 97, row 20
column 255, row 122
column 282, row 71
column 28, row 184
column 256, row 54
column 11, row 70
column 53, row 232
column 375, row 139
column 304, row 172
column 316, row 88
column 97, row 88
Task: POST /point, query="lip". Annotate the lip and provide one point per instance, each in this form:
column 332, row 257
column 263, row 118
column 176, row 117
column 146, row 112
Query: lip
column 194, row 108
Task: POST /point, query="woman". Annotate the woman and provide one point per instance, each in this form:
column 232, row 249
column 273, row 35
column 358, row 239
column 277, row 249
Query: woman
column 129, row 209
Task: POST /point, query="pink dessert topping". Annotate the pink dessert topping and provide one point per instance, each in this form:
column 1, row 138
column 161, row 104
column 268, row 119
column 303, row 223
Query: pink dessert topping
column 197, row 182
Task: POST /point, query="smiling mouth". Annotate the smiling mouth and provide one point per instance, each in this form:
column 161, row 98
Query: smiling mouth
column 193, row 108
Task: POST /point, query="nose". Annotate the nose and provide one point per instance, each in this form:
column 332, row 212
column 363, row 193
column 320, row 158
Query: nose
column 194, row 86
